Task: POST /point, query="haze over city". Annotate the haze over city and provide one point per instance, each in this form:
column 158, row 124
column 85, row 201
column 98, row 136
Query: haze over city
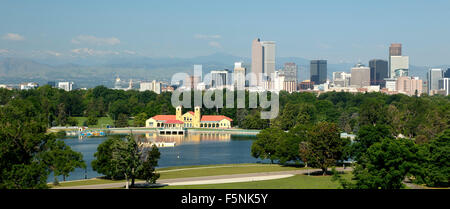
column 339, row 31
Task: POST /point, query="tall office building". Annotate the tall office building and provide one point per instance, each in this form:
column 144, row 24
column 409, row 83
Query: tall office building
column 269, row 59
column 360, row 76
column 257, row 63
column 378, row 72
column 444, row 83
column 151, row 86
column 263, row 61
column 399, row 66
column 433, row 77
column 239, row 76
column 447, row 73
column 318, row 71
column 220, row 78
column 394, row 50
column 290, row 71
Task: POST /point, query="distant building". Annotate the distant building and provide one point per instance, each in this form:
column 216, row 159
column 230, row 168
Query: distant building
column 444, row 84
column 66, row 85
column 399, row 66
column 29, row 85
column 239, row 76
column 391, row 84
column 378, row 72
column 318, row 71
column 433, row 77
column 306, row 84
column 409, row 85
column 189, row 120
column 52, row 84
column 151, row 86
column 290, row 71
column 394, row 50
column 269, row 59
column 191, row 81
column 341, row 79
column 360, row 76
column 220, row 78
column 447, row 73
column 257, row 62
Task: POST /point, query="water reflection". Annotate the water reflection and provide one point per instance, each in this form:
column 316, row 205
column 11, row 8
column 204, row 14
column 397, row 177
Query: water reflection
column 186, row 139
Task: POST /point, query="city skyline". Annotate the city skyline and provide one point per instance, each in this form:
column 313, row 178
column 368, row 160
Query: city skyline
column 322, row 30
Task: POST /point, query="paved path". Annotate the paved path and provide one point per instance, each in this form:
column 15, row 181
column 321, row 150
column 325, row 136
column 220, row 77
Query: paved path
column 211, row 179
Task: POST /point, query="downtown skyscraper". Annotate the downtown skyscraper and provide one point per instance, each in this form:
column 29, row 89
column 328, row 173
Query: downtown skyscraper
column 378, row 72
column 263, row 61
column 318, row 71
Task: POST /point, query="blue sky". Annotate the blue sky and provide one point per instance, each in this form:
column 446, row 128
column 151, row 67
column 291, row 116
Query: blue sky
column 340, row 31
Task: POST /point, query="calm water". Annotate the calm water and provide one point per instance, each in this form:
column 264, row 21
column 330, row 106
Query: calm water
column 192, row 149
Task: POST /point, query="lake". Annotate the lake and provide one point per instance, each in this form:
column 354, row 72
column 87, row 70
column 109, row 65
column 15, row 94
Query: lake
column 190, row 149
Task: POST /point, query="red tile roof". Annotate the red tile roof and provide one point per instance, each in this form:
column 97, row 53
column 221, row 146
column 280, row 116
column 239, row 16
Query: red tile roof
column 206, row 118
column 192, row 113
column 174, row 122
column 165, row 117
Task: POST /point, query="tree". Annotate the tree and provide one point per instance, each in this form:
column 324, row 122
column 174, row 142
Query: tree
column 61, row 159
column 139, row 119
column 122, row 121
column 436, row 161
column 367, row 136
column 150, row 161
column 386, row 164
column 264, row 147
column 372, row 111
column 323, row 145
column 91, row 120
column 126, row 159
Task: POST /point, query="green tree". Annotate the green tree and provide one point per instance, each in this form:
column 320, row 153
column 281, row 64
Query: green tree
column 122, row 121
column 386, row 164
column 61, row 159
column 147, row 170
column 264, row 147
column 139, row 119
column 436, row 161
column 102, row 162
column 323, row 146
column 367, row 136
column 92, row 120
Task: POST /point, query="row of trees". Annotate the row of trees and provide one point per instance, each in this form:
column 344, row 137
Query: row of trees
column 28, row 153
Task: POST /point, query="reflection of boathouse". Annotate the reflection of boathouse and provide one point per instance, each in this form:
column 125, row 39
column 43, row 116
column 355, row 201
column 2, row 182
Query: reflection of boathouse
column 188, row 138
column 188, row 120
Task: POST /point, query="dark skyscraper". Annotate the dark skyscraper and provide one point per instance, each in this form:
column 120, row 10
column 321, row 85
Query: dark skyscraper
column 318, row 71
column 447, row 73
column 378, row 72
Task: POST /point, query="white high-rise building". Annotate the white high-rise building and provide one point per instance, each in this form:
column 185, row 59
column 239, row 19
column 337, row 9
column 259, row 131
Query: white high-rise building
column 360, row 76
column 269, row 59
column 433, row 77
column 239, row 76
column 444, row 84
column 341, row 79
column 66, row 85
column 399, row 66
column 151, row 86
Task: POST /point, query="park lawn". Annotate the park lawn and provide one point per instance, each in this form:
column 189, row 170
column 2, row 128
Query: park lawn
column 299, row 181
column 193, row 171
column 102, row 122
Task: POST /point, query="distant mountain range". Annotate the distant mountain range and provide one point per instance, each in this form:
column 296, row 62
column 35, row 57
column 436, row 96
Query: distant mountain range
column 89, row 73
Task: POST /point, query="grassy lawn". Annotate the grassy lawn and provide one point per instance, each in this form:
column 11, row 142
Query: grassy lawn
column 102, row 122
column 295, row 182
column 195, row 171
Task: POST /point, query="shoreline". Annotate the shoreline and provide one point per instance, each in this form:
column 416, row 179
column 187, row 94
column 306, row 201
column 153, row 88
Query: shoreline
column 154, row 130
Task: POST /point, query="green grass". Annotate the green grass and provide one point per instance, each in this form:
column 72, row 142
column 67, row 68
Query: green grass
column 202, row 170
column 295, row 182
column 102, row 122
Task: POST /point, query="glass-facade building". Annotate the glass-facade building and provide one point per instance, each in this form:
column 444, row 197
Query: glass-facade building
column 378, row 72
column 318, row 71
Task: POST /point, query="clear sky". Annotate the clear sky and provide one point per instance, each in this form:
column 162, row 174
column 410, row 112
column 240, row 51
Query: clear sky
column 340, row 31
